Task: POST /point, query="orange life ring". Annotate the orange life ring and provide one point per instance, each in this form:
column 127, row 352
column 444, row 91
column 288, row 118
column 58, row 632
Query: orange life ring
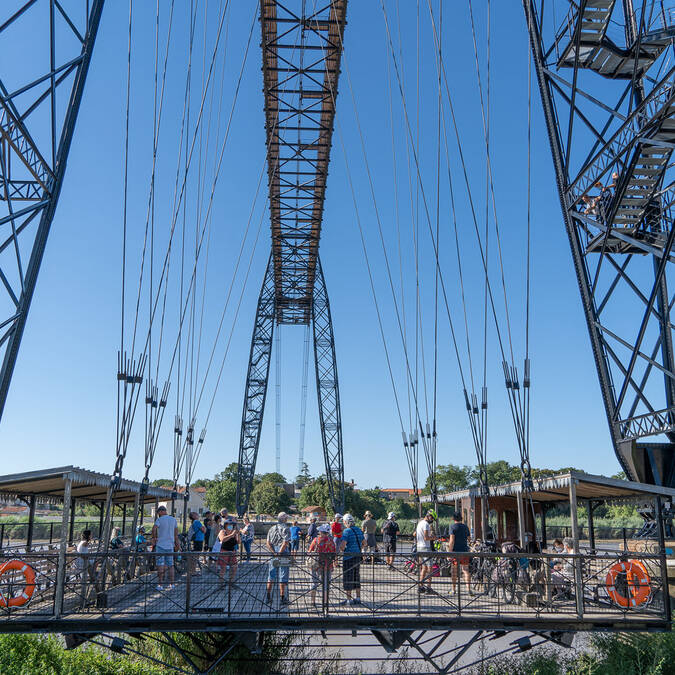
column 638, row 583
column 29, row 585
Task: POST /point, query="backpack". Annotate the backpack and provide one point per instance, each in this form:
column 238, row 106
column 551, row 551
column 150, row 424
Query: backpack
column 390, row 529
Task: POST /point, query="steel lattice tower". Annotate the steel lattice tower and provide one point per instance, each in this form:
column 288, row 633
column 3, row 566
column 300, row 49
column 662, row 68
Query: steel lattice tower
column 607, row 84
column 40, row 95
column 301, row 66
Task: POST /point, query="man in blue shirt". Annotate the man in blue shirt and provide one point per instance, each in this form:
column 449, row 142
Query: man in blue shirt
column 459, row 543
column 350, row 546
column 197, row 534
column 295, row 538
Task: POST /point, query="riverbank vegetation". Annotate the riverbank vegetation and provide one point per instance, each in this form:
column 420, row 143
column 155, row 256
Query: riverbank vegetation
column 616, row 654
column 608, row 654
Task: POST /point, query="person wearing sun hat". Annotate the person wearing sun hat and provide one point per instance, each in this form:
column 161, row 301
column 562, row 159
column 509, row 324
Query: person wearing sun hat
column 369, row 527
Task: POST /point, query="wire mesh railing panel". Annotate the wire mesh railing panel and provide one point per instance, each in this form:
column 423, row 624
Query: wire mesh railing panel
column 226, row 585
column 27, row 585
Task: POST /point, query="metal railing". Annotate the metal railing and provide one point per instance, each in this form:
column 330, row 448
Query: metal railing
column 15, row 534
column 607, row 586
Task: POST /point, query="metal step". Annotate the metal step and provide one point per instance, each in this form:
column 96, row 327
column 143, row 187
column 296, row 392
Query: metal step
column 612, row 62
column 598, row 53
column 646, row 173
column 595, row 19
column 613, row 243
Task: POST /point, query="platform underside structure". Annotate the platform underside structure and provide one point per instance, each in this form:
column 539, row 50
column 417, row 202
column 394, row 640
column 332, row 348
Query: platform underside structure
column 607, row 83
column 302, row 47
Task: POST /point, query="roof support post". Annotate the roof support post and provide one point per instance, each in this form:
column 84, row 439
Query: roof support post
column 544, row 541
column 578, row 582
column 591, row 525
column 100, row 519
column 484, row 516
column 658, row 510
column 31, row 522
column 521, row 518
column 472, row 516
column 71, row 527
column 61, row 569
column 138, row 506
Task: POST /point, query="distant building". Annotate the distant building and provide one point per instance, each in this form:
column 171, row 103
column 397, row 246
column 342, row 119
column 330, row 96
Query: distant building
column 196, row 502
column 406, row 494
column 314, row 512
column 288, row 488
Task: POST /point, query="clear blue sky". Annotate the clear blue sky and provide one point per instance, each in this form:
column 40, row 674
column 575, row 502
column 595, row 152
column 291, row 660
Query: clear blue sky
column 61, row 407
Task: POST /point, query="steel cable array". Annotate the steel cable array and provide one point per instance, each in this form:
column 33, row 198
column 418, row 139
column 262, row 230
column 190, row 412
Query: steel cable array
column 132, row 368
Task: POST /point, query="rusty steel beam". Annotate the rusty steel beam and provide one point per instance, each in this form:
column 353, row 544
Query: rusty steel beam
column 301, row 66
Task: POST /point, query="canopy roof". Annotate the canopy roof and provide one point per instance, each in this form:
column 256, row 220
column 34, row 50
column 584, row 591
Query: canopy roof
column 49, row 485
column 556, row 489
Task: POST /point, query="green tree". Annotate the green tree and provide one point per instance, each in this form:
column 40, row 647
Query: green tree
column 162, row 482
column 221, row 494
column 401, row 509
column 316, row 494
column 267, row 497
column 229, row 473
column 272, row 477
column 365, row 500
column 202, row 482
column 303, row 477
column 499, row 472
column 450, row 477
column 544, row 473
column 85, row 509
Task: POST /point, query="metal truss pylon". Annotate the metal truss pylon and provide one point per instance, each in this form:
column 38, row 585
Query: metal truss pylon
column 607, row 87
column 37, row 120
column 257, row 378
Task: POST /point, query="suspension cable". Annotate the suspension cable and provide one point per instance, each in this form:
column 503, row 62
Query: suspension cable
column 510, row 372
column 428, row 218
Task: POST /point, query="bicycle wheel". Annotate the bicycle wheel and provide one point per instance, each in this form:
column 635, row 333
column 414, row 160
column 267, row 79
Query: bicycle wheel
column 539, row 583
column 508, row 589
column 483, row 576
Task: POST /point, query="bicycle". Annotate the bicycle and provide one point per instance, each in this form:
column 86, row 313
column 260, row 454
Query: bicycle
column 481, row 569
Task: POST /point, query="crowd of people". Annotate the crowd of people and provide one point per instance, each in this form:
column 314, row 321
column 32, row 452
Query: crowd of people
column 224, row 543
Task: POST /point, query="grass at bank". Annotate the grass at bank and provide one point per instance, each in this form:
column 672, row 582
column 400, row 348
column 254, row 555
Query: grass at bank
column 621, row 654
column 617, row 654
column 35, row 654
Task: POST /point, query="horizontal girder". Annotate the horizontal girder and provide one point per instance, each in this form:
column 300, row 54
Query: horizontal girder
column 301, row 65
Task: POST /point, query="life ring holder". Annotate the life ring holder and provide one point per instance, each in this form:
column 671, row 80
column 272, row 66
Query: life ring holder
column 638, row 584
column 29, row 583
